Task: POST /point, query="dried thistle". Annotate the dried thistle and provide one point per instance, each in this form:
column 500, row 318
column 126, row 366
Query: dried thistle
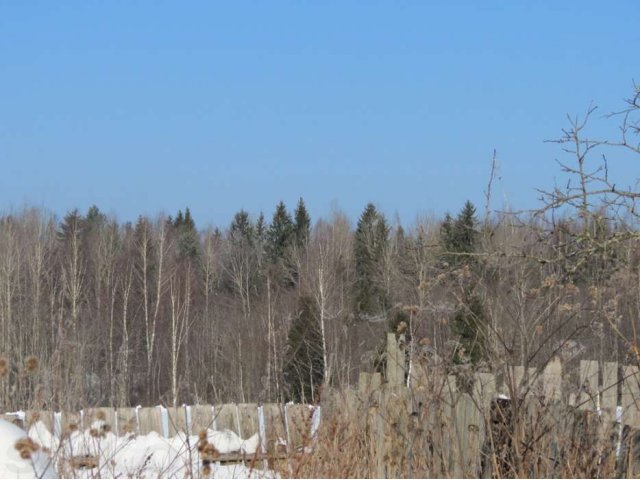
column 31, row 364
column 549, row 282
column 571, row 288
column 26, row 447
column 533, row 293
column 4, row 367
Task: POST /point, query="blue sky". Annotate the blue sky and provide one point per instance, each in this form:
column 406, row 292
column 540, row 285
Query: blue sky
column 142, row 107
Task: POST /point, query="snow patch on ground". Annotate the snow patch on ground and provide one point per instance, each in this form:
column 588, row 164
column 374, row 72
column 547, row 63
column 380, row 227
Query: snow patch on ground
column 127, row 456
column 13, row 442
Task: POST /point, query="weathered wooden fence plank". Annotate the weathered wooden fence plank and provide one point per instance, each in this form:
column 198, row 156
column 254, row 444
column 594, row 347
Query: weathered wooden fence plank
column 150, row 420
column 588, row 398
column 126, row 421
column 177, row 417
column 248, row 419
column 275, row 430
column 225, row 415
column 201, row 418
column 609, row 389
column 298, row 424
column 552, row 380
column 631, row 396
column 70, row 422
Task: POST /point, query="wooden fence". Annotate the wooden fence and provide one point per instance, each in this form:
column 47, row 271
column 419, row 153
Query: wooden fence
column 423, row 421
column 288, row 425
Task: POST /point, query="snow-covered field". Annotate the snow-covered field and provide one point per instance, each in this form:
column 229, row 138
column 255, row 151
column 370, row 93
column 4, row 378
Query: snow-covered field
column 39, row 454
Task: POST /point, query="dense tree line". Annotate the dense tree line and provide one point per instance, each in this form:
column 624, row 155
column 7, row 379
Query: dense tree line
column 98, row 312
column 159, row 310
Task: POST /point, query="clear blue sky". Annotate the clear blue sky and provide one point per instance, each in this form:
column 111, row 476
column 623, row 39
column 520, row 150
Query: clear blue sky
column 142, row 107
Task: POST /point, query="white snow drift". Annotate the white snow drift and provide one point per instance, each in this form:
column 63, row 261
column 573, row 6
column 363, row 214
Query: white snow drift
column 137, row 456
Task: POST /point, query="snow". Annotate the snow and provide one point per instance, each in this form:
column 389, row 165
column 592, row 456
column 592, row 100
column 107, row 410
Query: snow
column 127, row 456
column 12, row 461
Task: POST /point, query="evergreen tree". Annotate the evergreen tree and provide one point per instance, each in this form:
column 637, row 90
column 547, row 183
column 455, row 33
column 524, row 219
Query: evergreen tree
column 304, row 365
column 179, row 221
column 188, row 239
column 71, row 226
column 459, row 236
column 465, row 228
column 95, row 216
column 280, row 234
column 241, row 229
column 261, row 229
column 302, row 224
column 370, row 244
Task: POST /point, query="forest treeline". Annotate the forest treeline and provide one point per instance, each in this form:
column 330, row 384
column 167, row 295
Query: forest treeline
column 94, row 311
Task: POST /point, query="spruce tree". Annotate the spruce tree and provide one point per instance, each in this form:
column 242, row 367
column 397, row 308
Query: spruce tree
column 370, row 243
column 72, row 225
column 459, row 237
column 465, row 228
column 302, row 224
column 280, row 234
column 241, row 230
column 188, row 240
column 304, row 364
column 261, row 229
column 179, row 221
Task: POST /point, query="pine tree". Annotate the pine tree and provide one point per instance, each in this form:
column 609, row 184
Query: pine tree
column 370, row 244
column 304, row 367
column 302, row 224
column 280, row 234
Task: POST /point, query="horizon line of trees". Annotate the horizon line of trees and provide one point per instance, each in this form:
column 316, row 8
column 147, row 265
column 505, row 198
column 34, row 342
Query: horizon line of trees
column 122, row 314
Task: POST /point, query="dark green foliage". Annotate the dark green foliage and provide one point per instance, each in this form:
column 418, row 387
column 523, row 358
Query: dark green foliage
column 469, row 325
column 95, row 216
column 280, row 234
column 370, row 244
column 304, row 365
column 261, row 229
column 188, row 240
column 241, row 231
column 459, row 237
column 72, row 225
column 302, row 224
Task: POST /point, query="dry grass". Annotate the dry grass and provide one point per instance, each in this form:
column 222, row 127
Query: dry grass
column 375, row 436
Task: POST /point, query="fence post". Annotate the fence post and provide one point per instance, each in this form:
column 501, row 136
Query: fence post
column 631, row 396
column 631, row 420
column 395, row 360
column 552, row 380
